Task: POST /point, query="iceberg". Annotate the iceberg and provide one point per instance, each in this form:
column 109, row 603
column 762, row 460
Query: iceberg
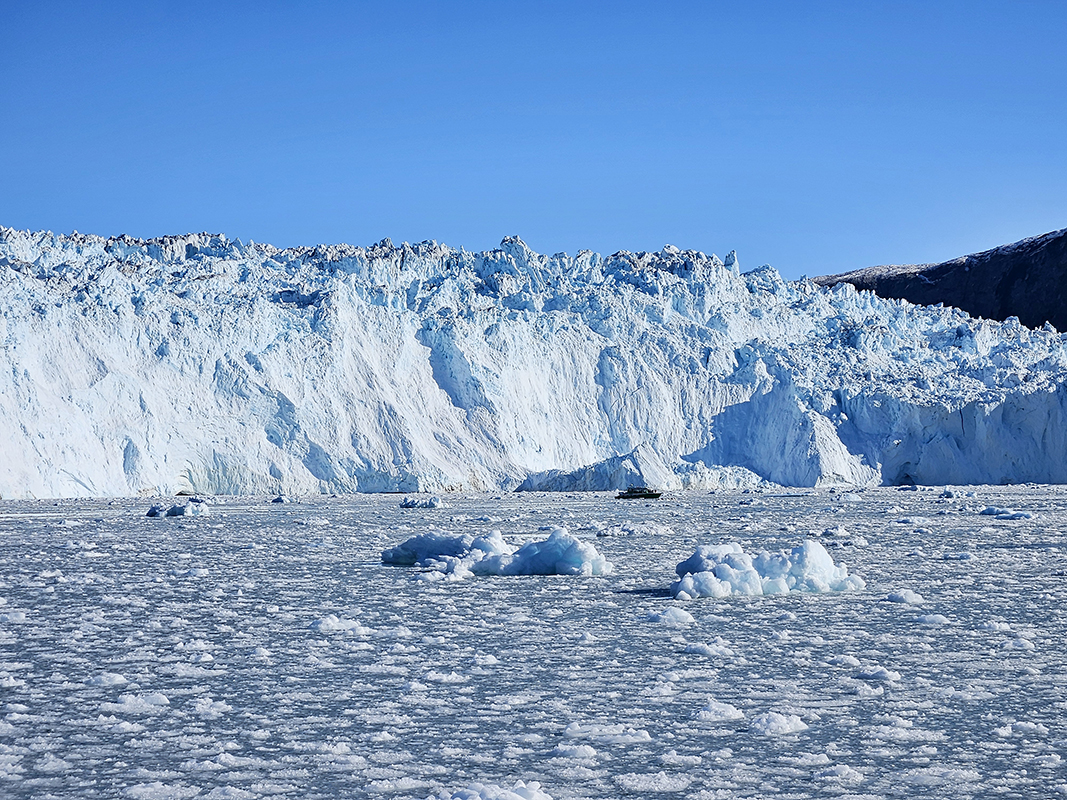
column 462, row 556
column 200, row 364
column 725, row 569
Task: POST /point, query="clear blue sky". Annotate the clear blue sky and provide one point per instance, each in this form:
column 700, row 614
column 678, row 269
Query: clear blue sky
column 814, row 136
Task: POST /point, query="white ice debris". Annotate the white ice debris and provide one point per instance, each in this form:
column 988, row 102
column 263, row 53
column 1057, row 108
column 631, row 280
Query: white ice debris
column 725, row 569
column 715, row 711
column 774, row 723
column 906, row 597
column 107, row 679
column 610, row 733
column 481, row 791
column 193, row 508
column 331, row 623
column 201, row 364
column 150, row 703
column 719, row 648
column 460, row 556
column 1005, row 513
column 421, row 502
column 672, row 617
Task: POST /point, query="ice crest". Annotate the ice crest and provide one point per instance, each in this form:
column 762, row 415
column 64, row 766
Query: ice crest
column 199, row 363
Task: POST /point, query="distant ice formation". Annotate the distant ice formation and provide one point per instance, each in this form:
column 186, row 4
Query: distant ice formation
column 463, row 556
column 202, row 364
column 725, row 569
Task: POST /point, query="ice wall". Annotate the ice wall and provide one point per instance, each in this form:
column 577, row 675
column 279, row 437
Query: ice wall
column 202, row 364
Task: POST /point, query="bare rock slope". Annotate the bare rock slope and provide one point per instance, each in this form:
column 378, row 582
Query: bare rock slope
column 1027, row 280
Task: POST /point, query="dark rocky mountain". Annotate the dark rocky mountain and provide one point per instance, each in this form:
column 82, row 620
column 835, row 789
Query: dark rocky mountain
column 1027, row 280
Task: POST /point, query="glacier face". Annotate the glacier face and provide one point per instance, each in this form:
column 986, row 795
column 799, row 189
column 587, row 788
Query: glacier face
column 200, row 364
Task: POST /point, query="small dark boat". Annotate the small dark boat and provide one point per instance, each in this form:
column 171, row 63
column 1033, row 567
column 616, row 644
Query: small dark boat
column 637, row 493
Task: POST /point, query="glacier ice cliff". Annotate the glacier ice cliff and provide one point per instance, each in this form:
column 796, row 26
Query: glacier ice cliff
column 202, row 364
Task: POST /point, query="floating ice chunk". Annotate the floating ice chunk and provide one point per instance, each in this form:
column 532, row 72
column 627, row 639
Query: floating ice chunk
column 609, row 734
column 157, row 790
column 840, row 772
column 838, row 532
column 210, row 709
column 907, row 597
column 878, row 673
column 715, row 711
column 281, row 499
column 153, row 703
column 195, row 572
column 1048, row 761
column 1021, row 729
column 719, row 648
column 932, row 619
column 673, row 617
column 939, row 776
column 481, row 791
column 725, row 569
column 445, row 677
column 1005, row 513
column 559, row 554
column 107, row 679
column 913, row 521
column 995, row 625
column 190, row 509
column 331, row 623
column 634, row 529
column 775, row 724
column 843, row 661
column 229, row 793
column 1018, row 643
column 672, row 758
column 574, row 751
column 653, row 782
column 422, row 502
column 462, row 556
column 427, row 546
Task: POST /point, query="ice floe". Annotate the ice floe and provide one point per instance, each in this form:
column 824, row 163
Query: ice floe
column 774, row 723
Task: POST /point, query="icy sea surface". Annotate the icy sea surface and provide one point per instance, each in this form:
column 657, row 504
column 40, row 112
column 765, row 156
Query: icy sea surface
column 263, row 650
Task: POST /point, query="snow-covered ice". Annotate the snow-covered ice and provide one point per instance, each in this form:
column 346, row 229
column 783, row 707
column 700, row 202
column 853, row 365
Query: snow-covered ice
column 200, row 364
column 241, row 655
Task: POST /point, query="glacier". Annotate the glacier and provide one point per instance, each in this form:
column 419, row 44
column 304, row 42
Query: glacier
column 200, row 364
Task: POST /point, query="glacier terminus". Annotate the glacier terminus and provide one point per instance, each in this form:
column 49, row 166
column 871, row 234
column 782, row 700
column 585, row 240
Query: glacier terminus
column 201, row 364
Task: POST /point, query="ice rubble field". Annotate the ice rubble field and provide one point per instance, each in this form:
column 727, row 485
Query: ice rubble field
column 264, row 650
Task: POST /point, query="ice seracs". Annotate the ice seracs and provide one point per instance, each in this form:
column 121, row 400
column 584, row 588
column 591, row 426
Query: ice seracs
column 202, row 364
